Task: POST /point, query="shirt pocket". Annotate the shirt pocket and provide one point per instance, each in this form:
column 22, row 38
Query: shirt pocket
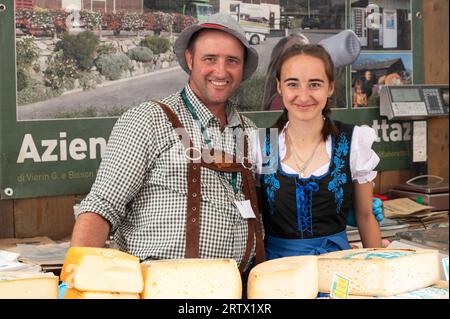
column 219, row 195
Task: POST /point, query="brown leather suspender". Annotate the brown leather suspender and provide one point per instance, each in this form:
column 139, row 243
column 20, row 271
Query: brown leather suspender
column 215, row 160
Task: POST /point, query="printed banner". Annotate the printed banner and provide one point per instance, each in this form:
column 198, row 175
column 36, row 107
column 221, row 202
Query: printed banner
column 69, row 69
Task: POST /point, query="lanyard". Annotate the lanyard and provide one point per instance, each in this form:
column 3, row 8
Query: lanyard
column 194, row 114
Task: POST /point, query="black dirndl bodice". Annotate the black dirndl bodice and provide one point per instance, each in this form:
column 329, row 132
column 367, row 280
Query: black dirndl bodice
column 300, row 208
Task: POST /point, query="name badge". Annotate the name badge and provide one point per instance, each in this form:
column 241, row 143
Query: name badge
column 245, row 208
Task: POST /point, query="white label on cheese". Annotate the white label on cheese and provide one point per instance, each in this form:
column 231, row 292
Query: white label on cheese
column 245, row 208
column 339, row 287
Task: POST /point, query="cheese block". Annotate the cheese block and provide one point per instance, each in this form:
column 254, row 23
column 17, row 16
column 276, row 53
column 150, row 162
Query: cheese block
column 102, row 269
column 73, row 293
column 192, row 279
column 287, row 277
column 380, row 272
column 28, row 285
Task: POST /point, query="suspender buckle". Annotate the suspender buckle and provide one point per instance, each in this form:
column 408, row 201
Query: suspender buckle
column 246, row 163
column 194, row 158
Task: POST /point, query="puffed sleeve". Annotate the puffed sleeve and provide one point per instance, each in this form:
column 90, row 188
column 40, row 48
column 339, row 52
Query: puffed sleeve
column 363, row 159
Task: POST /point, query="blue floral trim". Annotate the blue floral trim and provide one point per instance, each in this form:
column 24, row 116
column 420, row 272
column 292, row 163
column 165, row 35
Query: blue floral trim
column 272, row 185
column 304, row 204
column 338, row 177
column 271, row 182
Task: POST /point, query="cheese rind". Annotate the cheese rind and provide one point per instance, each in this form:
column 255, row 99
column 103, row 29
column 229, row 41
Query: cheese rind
column 73, row 293
column 191, row 279
column 26, row 285
column 437, row 291
column 102, row 269
column 380, row 271
column 284, row 278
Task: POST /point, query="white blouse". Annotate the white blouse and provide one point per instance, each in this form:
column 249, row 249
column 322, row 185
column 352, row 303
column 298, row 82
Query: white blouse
column 363, row 159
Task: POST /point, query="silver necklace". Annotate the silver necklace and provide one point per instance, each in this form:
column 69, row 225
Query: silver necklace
column 302, row 167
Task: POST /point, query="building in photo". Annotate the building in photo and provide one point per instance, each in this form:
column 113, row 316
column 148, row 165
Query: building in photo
column 382, row 24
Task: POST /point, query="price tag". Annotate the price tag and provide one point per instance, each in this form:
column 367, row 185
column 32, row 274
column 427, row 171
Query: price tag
column 445, row 265
column 339, row 287
column 245, row 208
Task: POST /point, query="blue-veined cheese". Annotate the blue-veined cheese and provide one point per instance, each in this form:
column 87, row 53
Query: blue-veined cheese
column 380, row 272
column 437, row 291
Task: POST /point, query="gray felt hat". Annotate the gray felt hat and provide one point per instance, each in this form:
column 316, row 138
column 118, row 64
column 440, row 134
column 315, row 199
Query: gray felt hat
column 223, row 22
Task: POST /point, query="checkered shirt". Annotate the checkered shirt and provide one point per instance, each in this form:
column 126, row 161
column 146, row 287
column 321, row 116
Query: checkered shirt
column 141, row 186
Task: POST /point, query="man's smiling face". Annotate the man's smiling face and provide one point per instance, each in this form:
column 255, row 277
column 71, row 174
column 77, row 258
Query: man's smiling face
column 217, row 66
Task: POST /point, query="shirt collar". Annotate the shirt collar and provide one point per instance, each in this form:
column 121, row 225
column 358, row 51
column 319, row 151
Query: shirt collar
column 206, row 116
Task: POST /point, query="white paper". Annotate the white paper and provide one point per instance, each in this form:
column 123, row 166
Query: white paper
column 245, row 208
column 8, row 256
column 419, row 141
column 8, row 262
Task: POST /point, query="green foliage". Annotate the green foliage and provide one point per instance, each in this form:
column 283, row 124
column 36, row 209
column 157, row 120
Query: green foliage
column 157, row 44
column 27, row 52
column 80, row 47
column 22, row 79
column 107, row 48
column 112, row 65
column 141, row 54
column 80, row 113
column 61, row 72
column 89, row 80
column 249, row 95
column 92, row 111
column 35, row 92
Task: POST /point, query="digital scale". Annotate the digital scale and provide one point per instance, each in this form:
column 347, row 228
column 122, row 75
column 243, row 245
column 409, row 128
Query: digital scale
column 414, row 102
column 417, row 103
column 429, row 190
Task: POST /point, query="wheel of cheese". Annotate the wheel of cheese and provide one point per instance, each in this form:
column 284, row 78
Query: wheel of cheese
column 72, row 293
column 102, row 269
column 287, row 277
column 380, row 272
column 26, row 285
column 192, row 279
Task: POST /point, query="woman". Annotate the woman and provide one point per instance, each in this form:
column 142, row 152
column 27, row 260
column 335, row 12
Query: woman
column 323, row 168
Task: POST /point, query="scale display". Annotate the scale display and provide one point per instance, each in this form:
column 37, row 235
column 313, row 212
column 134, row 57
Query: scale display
column 411, row 102
column 405, row 95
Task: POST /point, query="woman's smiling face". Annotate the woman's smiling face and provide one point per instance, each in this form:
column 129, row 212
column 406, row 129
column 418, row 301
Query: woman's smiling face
column 304, row 87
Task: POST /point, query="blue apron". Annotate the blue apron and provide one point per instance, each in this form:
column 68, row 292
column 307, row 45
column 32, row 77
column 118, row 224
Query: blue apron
column 279, row 247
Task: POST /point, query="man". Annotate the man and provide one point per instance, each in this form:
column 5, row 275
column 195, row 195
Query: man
column 368, row 81
column 160, row 207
